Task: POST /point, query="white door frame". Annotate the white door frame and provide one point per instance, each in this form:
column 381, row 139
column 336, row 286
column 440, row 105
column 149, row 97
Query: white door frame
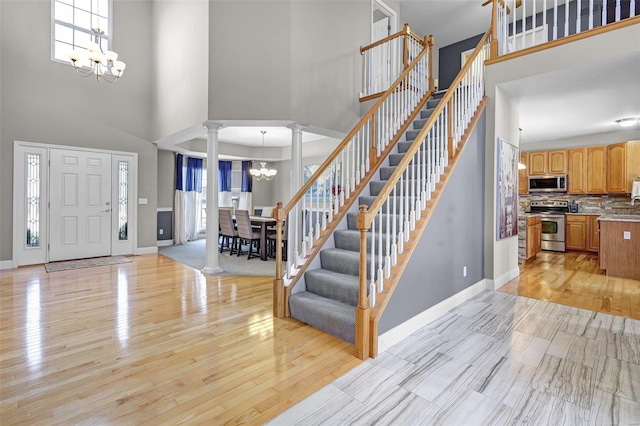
column 384, row 8
column 24, row 256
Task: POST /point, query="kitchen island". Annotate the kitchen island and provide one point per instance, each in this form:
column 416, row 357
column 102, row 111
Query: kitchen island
column 620, row 245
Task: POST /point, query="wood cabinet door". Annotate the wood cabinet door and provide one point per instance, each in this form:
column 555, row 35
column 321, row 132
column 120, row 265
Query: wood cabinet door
column 596, row 170
column 577, row 170
column 557, row 162
column 616, row 168
column 523, row 176
column 576, row 236
column 538, row 237
column 593, row 234
column 537, row 163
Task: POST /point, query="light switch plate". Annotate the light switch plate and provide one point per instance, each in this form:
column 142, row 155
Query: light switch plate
column 142, row 201
column 626, row 235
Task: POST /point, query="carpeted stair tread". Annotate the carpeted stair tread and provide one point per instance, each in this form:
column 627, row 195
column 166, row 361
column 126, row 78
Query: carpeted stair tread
column 432, row 103
column 376, row 186
column 330, row 316
column 349, row 239
column 333, row 285
column 342, row 261
column 386, row 172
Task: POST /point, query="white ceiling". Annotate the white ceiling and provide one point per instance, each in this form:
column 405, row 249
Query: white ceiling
column 251, row 136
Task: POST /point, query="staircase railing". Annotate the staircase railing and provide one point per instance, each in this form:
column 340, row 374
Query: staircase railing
column 323, row 200
column 384, row 61
column 531, row 27
column 389, row 223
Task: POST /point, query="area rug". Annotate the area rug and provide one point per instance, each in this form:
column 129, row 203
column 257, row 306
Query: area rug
column 85, row 263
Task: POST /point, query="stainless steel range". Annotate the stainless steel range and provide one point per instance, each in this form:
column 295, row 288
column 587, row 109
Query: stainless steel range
column 552, row 215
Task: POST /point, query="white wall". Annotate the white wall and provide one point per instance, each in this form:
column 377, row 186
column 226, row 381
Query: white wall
column 501, row 256
column 46, row 102
column 180, row 56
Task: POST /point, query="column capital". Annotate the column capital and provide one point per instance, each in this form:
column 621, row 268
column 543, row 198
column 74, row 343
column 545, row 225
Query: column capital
column 212, row 126
column 296, row 127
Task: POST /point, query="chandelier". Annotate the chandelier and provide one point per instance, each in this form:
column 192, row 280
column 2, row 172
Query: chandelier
column 263, row 172
column 95, row 61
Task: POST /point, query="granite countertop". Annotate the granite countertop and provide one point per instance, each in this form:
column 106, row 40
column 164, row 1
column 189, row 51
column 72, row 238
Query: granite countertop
column 620, row 217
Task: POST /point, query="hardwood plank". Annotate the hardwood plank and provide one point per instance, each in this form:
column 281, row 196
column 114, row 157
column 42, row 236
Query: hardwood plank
column 153, row 342
column 575, row 279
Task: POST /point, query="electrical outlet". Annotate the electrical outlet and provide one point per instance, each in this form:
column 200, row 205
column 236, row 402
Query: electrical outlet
column 464, row 271
column 161, row 231
column 626, row 235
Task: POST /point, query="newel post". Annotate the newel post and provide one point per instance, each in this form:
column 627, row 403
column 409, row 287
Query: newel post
column 363, row 311
column 405, row 49
column 279, row 294
column 493, row 48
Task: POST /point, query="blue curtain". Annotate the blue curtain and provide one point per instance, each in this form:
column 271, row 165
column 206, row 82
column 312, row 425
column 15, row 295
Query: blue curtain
column 247, row 180
column 224, row 180
column 188, row 178
column 194, row 174
column 180, row 172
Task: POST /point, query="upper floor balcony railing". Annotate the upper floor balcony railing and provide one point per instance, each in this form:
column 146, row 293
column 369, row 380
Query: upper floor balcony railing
column 384, row 61
column 520, row 24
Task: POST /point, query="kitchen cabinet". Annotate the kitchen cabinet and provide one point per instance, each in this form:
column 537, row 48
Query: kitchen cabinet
column 577, row 171
column 586, row 170
column 523, row 175
column 548, row 162
column 596, row 170
column 557, row 162
column 538, row 163
column 593, row 233
column 623, row 164
column 619, row 255
column 576, row 232
column 534, row 236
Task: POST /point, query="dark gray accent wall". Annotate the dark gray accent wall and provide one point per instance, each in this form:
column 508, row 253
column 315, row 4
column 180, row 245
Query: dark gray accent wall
column 165, row 222
column 454, row 238
column 450, row 60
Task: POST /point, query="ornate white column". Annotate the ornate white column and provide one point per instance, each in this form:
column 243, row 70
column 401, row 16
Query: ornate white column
column 211, row 264
column 296, row 157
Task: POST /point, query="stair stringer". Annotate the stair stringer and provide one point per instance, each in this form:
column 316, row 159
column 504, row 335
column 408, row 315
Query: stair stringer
column 382, row 299
column 326, row 236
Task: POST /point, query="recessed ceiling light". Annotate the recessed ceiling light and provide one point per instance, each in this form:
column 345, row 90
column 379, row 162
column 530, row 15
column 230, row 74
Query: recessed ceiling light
column 628, row 122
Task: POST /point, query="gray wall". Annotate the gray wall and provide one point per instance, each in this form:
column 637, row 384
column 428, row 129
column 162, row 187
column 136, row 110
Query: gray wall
column 166, row 178
column 450, row 60
column 181, row 42
column 45, row 101
column 454, row 238
column 294, row 60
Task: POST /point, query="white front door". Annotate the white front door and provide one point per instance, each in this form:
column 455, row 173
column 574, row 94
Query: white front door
column 80, row 196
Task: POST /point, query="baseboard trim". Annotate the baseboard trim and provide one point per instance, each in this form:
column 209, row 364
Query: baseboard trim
column 164, row 243
column 6, row 264
column 400, row 332
column 146, row 250
column 502, row 279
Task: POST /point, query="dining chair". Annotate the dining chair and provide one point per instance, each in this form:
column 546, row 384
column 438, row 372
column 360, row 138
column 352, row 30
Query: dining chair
column 272, row 241
column 246, row 233
column 227, row 230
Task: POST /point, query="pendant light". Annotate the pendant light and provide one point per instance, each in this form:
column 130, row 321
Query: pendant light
column 263, row 173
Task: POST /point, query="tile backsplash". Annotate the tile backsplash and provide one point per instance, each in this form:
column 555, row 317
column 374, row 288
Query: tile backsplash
column 594, row 204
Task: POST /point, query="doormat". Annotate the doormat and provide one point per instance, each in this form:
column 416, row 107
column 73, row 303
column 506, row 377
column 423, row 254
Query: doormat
column 85, row 263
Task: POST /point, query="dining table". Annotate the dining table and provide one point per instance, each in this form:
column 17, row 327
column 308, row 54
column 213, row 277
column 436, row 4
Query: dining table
column 263, row 222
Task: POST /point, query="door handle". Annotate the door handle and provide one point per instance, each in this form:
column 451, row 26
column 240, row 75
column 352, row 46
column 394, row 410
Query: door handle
column 106, row 211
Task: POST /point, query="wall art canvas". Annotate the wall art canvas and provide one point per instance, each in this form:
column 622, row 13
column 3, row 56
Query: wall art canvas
column 507, row 191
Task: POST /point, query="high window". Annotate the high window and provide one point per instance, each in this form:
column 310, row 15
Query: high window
column 74, row 22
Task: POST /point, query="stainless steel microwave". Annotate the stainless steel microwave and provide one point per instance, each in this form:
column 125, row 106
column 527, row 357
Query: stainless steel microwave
column 550, row 183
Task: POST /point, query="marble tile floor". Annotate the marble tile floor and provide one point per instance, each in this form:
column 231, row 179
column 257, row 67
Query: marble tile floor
column 497, row 359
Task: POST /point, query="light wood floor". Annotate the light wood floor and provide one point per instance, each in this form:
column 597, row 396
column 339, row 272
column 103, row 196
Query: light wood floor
column 574, row 279
column 153, row 342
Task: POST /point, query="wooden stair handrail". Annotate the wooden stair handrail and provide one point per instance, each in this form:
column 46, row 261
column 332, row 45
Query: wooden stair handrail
column 405, row 32
column 323, row 167
column 408, row 156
